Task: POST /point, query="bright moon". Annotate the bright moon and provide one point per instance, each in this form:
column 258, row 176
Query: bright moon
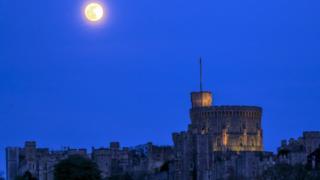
column 94, row 12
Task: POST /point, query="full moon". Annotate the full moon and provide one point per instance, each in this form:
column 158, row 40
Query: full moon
column 94, row 12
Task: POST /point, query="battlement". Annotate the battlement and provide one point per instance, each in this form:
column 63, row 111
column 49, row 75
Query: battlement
column 311, row 134
column 115, row 145
column 36, row 160
column 231, row 108
column 243, row 111
column 308, row 143
column 30, row 144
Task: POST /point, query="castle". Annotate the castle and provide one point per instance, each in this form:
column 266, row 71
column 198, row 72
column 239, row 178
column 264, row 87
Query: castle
column 213, row 130
column 221, row 142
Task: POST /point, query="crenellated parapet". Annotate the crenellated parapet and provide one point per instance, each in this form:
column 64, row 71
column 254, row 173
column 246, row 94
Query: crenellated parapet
column 112, row 160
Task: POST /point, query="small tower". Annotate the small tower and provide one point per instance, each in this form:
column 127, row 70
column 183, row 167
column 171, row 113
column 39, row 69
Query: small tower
column 201, row 98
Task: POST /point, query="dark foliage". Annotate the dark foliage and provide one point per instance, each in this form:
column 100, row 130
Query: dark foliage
column 283, row 152
column 76, row 168
column 26, row 176
column 289, row 172
column 314, row 160
column 120, row 177
column 165, row 167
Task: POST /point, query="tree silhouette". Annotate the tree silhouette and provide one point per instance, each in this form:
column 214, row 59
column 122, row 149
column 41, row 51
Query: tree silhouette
column 76, row 168
column 289, row 172
column 26, row 176
column 120, row 177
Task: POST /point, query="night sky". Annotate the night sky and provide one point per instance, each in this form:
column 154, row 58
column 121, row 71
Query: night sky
column 65, row 82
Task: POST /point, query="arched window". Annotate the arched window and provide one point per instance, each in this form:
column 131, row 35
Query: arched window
column 252, row 142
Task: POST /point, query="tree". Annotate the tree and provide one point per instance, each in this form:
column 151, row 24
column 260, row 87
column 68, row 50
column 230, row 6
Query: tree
column 76, row 168
column 313, row 162
column 165, row 166
column 125, row 176
column 26, row 176
column 286, row 172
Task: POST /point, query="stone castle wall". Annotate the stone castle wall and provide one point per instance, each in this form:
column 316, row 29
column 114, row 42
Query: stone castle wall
column 113, row 160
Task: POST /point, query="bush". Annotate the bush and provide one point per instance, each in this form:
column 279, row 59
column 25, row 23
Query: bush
column 76, row 168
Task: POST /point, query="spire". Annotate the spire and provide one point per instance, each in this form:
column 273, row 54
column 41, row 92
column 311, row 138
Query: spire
column 202, row 98
column 201, row 88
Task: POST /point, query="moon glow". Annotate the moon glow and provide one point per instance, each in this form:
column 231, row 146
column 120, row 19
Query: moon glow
column 94, row 12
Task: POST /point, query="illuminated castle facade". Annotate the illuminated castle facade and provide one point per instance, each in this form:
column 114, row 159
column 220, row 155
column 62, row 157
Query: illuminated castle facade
column 233, row 128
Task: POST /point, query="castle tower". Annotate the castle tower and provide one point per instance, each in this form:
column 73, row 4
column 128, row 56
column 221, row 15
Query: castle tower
column 12, row 162
column 235, row 128
column 215, row 129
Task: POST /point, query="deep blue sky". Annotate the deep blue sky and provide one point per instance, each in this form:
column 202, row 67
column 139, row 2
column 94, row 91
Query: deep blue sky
column 64, row 82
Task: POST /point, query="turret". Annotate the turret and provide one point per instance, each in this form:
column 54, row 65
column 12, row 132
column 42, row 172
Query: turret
column 201, row 99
